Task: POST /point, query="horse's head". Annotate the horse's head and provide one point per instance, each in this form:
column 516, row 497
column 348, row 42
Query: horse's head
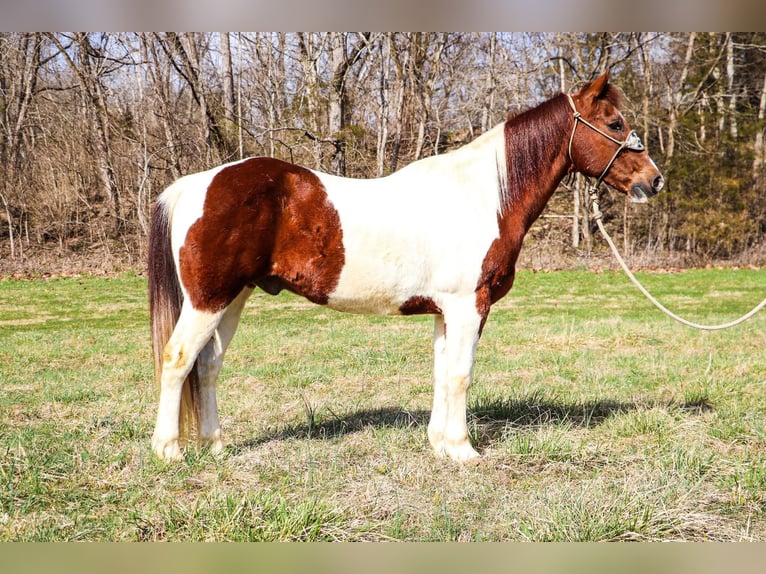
column 603, row 145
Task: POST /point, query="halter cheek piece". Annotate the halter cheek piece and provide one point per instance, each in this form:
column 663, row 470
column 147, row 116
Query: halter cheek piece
column 632, row 142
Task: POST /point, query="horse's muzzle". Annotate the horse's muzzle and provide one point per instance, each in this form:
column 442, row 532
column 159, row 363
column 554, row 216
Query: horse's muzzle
column 643, row 192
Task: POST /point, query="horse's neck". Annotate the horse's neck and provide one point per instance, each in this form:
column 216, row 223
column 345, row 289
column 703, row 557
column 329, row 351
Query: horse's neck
column 540, row 192
column 531, row 184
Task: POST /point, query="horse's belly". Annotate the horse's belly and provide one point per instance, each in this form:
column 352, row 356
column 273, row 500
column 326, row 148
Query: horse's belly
column 366, row 295
column 373, row 304
column 389, row 285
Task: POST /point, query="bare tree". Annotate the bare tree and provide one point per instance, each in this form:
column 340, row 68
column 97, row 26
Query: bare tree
column 732, row 94
column 229, row 99
column 184, row 54
column 490, row 85
column 384, row 45
column 149, row 108
column 402, row 61
column 345, row 50
column 310, row 46
column 758, row 147
column 427, row 52
column 89, row 63
column 158, row 71
column 20, row 61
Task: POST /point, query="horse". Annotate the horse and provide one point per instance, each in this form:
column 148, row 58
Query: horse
column 441, row 236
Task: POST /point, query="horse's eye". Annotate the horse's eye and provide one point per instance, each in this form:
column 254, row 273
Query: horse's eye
column 616, row 126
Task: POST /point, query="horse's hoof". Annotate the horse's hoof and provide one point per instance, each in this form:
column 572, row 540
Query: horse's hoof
column 462, row 452
column 216, row 447
column 214, row 444
column 436, row 439
column 167, row 450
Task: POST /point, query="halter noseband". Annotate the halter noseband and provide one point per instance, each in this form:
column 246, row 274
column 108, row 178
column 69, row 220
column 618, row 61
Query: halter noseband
column 632, row 142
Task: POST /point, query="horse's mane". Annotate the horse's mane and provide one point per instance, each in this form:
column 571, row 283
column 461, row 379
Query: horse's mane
column 533, row 138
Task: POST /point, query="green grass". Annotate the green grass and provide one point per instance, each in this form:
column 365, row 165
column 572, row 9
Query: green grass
column 597, row 419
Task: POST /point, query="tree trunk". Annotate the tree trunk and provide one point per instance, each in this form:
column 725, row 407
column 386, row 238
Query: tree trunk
column 99, row 119
column 427, row 52
column 758, row 147
column 311, row 78
column 385, row 67
column 228, row 77
column 159, row 75
column 340, row 65
column 14, row 107
column 647, row 93
column 190, row 56
column 576, row 215
column 732, row 107
column 647, row 89
column 229, row 100
column 674, row 96
column 402, row 61
column 490, row 86
column 189, row 69
column 335, row 119
column 9, row 219
column 584, row 200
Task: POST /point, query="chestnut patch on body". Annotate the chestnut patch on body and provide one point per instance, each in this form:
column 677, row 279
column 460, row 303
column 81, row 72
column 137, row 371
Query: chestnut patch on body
column 264, row 222
column 419, row 305
column 497, row 273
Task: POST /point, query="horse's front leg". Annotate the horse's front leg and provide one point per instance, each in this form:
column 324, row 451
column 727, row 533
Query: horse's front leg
column 438, row 420
column 460, row 331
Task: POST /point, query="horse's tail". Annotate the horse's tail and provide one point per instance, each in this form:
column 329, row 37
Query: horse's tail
column 165, row 300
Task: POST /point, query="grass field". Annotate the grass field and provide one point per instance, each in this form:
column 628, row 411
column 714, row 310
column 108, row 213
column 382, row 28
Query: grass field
column 597, row 419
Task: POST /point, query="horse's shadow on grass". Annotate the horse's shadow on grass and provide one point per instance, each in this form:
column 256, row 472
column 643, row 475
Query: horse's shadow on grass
column 487, row 419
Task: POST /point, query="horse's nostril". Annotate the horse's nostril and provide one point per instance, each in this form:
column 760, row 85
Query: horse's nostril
column 658, row 182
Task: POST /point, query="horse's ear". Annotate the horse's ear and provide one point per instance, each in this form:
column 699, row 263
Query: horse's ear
column 597, row 88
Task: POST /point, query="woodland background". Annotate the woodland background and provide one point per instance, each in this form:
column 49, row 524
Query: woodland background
column 94, row 125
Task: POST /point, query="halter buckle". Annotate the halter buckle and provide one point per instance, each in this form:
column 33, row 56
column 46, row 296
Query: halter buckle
column 633, row 142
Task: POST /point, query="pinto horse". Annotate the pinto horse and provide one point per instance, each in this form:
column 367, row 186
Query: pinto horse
column 441, row 237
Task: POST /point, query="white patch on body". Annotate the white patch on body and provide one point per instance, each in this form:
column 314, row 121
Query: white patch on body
column 421, row 231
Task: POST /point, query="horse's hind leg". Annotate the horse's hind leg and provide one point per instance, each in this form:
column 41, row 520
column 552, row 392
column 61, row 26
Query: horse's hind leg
column 209, row 364
column 192, row 332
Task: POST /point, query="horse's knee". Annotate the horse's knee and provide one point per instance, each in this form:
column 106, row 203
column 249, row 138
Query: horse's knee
column 174, row 358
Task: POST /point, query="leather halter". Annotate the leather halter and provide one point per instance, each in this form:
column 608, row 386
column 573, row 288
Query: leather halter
column 632, row 142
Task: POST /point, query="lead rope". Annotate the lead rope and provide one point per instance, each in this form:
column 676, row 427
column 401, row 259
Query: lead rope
column 597, row 216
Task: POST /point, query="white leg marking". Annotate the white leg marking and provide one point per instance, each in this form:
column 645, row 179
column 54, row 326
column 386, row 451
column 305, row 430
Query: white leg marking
column 190, row 335
column 462, row 336
column 438, row 418
column 210, row 362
